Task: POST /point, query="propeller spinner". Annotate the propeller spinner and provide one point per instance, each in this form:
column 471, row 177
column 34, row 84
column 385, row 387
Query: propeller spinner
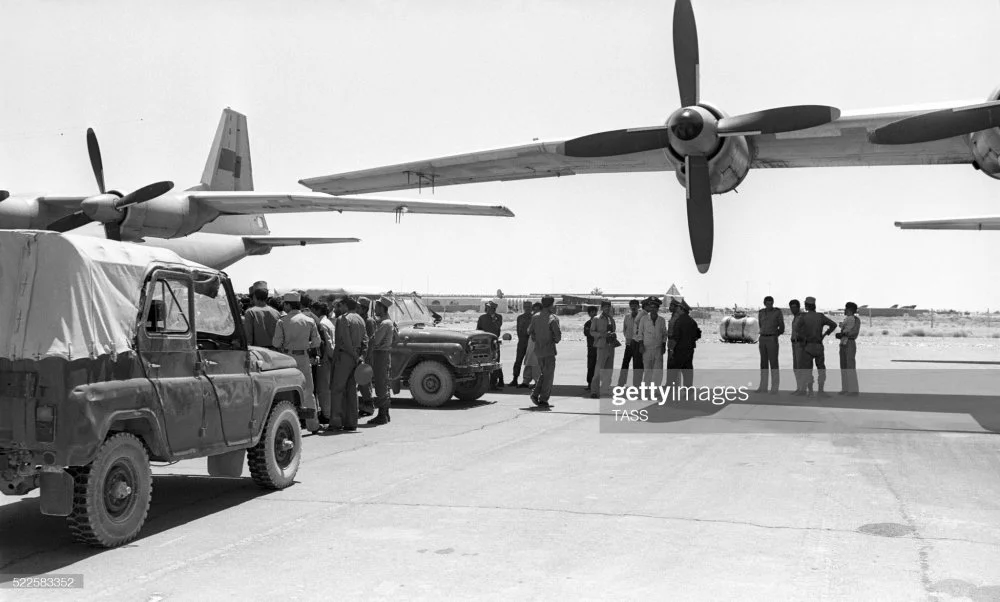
column 109, row 206
column 694, row 133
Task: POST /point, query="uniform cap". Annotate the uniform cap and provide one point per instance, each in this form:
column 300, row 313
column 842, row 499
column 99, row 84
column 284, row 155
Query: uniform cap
column 292, row 297
column 491, row 304
column 685, row 306
column 364, row 301
column 385, row 302
column 811, row 300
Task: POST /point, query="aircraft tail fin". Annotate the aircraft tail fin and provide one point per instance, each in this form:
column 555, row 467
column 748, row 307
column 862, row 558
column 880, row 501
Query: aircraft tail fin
column 229, row 169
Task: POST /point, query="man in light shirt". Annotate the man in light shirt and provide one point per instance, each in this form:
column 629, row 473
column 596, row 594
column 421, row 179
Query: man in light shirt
column 602, row 330
column 632, row 352
column 849, row 330
column 651, row 341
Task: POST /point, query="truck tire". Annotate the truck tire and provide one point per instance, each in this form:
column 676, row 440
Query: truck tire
column 111, row 495
column 473, row 390
column 274, row 461
column 431, row 384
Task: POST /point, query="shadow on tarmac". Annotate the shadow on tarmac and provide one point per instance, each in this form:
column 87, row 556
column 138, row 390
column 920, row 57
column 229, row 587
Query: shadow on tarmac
column 452, row 404
column 984, row 409
column 34, row 544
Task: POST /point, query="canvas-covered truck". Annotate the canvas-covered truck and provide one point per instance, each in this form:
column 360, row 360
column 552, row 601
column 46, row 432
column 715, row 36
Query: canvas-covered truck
column 434, row 362
column 113, row 355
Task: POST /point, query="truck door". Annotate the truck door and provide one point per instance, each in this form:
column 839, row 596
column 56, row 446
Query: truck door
column 224, row 355
column 166, row 343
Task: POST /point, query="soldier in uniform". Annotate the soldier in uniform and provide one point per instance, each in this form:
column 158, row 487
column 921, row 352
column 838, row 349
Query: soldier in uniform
column 849, row 330
column 544, row 331
column 296, row 335
column 523, row 321
column 381, row 347
column 798, row 350
column 602, row 330
column 810, row 331
column 631, row 352
column 772, row 325
column 491, row 322
column 685, row 335
column 366, row 406
column 324, row 372
column 651, row 340
column 350, row 344
column 674, row 309
column 591, row 350
column 261, row 320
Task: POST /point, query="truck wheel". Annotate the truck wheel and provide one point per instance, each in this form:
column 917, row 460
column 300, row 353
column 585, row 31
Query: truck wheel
column 111, row 494
column 431, row 384
column 275, row 459
column 473, row 390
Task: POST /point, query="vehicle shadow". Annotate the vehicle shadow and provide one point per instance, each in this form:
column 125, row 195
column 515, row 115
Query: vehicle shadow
column 35, row 544
column 450, row 405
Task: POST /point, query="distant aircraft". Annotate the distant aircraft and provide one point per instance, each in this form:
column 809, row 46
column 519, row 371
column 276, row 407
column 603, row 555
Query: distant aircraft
column 961, row 223
column 217, row 222
column 712, row 152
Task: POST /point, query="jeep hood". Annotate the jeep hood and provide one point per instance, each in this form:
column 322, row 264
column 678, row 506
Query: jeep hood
column 271, row 360
column 437, row 334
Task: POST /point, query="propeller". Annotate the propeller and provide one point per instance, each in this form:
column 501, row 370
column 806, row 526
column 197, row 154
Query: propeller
column 107, row 207
column 938, row 125
column 694, row 133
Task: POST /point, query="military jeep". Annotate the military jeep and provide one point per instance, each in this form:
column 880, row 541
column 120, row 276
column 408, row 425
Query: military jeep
column 435, row 363
column 114, row 355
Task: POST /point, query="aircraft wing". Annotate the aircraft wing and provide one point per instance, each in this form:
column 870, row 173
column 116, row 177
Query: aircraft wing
column 291, row 241
column 843, row 142
column 963, row 223
column 252, row 203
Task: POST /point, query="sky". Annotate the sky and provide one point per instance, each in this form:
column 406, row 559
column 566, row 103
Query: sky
column 330, row 87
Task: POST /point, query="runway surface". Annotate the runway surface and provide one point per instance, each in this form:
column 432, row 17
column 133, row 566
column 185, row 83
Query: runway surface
column 886, row 496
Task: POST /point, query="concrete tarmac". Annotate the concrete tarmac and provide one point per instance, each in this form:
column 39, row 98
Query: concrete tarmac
column 491, row 500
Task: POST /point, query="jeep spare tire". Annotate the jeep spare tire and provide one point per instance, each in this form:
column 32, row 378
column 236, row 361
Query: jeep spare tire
column 473, row 389
column 111, row 494
column 274, row 461
column 431, row 384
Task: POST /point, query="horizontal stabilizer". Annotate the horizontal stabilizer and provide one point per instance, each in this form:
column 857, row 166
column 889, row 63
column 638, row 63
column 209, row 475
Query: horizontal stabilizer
column 965, row 223
column 236, row 203
column 291, row 241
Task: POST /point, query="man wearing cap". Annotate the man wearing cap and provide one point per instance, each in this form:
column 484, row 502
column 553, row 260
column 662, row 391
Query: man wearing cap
column 772, row 325
column 798, row 349
column 544, row 331
column 674, row 309
column 324, row 371
column 850, row 328
column 381, row 347
column 631, row 352
column 810, row 331
column 602, row 329
column 523, row 321
column 591, row 350
column 651, row 341
column 366, row 407
column 296, row 335
column 491, row 322
column 261, row 320
column 685, row 334
column 350, row 344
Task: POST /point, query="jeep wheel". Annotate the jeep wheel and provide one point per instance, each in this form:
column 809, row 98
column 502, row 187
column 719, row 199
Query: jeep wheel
column 474, row 389
column 111, row 494
column 275, row 459
column 431, row 384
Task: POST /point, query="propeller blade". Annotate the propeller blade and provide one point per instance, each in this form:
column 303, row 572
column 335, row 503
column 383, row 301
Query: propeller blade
column 938, row 125
column 4, row 195
column 95, row 158
column 146, row 193
column 686, row 53
column 781, row 119
column 617, row 142
column 70, row 222
column 701, row 224
column 113, row 231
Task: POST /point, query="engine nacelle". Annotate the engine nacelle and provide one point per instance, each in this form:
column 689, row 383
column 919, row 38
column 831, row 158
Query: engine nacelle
column 986, row 147
column 167, row 216
column 727, row 167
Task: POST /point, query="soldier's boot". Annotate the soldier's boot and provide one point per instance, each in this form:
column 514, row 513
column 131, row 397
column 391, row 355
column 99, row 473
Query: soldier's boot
column 381, row 417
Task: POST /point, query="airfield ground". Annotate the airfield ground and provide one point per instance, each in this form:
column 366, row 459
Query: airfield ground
column 891, row 497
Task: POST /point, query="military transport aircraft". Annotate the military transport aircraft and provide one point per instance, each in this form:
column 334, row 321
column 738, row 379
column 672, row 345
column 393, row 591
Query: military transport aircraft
column 215, row 223
column 960, row 223
column 712, row 152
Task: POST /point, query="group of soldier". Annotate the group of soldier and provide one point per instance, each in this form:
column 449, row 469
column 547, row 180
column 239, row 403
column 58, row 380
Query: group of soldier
column 341, row 350
column 807, row 347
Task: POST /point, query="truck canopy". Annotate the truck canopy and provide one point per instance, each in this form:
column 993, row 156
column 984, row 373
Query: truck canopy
column 73, row 296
